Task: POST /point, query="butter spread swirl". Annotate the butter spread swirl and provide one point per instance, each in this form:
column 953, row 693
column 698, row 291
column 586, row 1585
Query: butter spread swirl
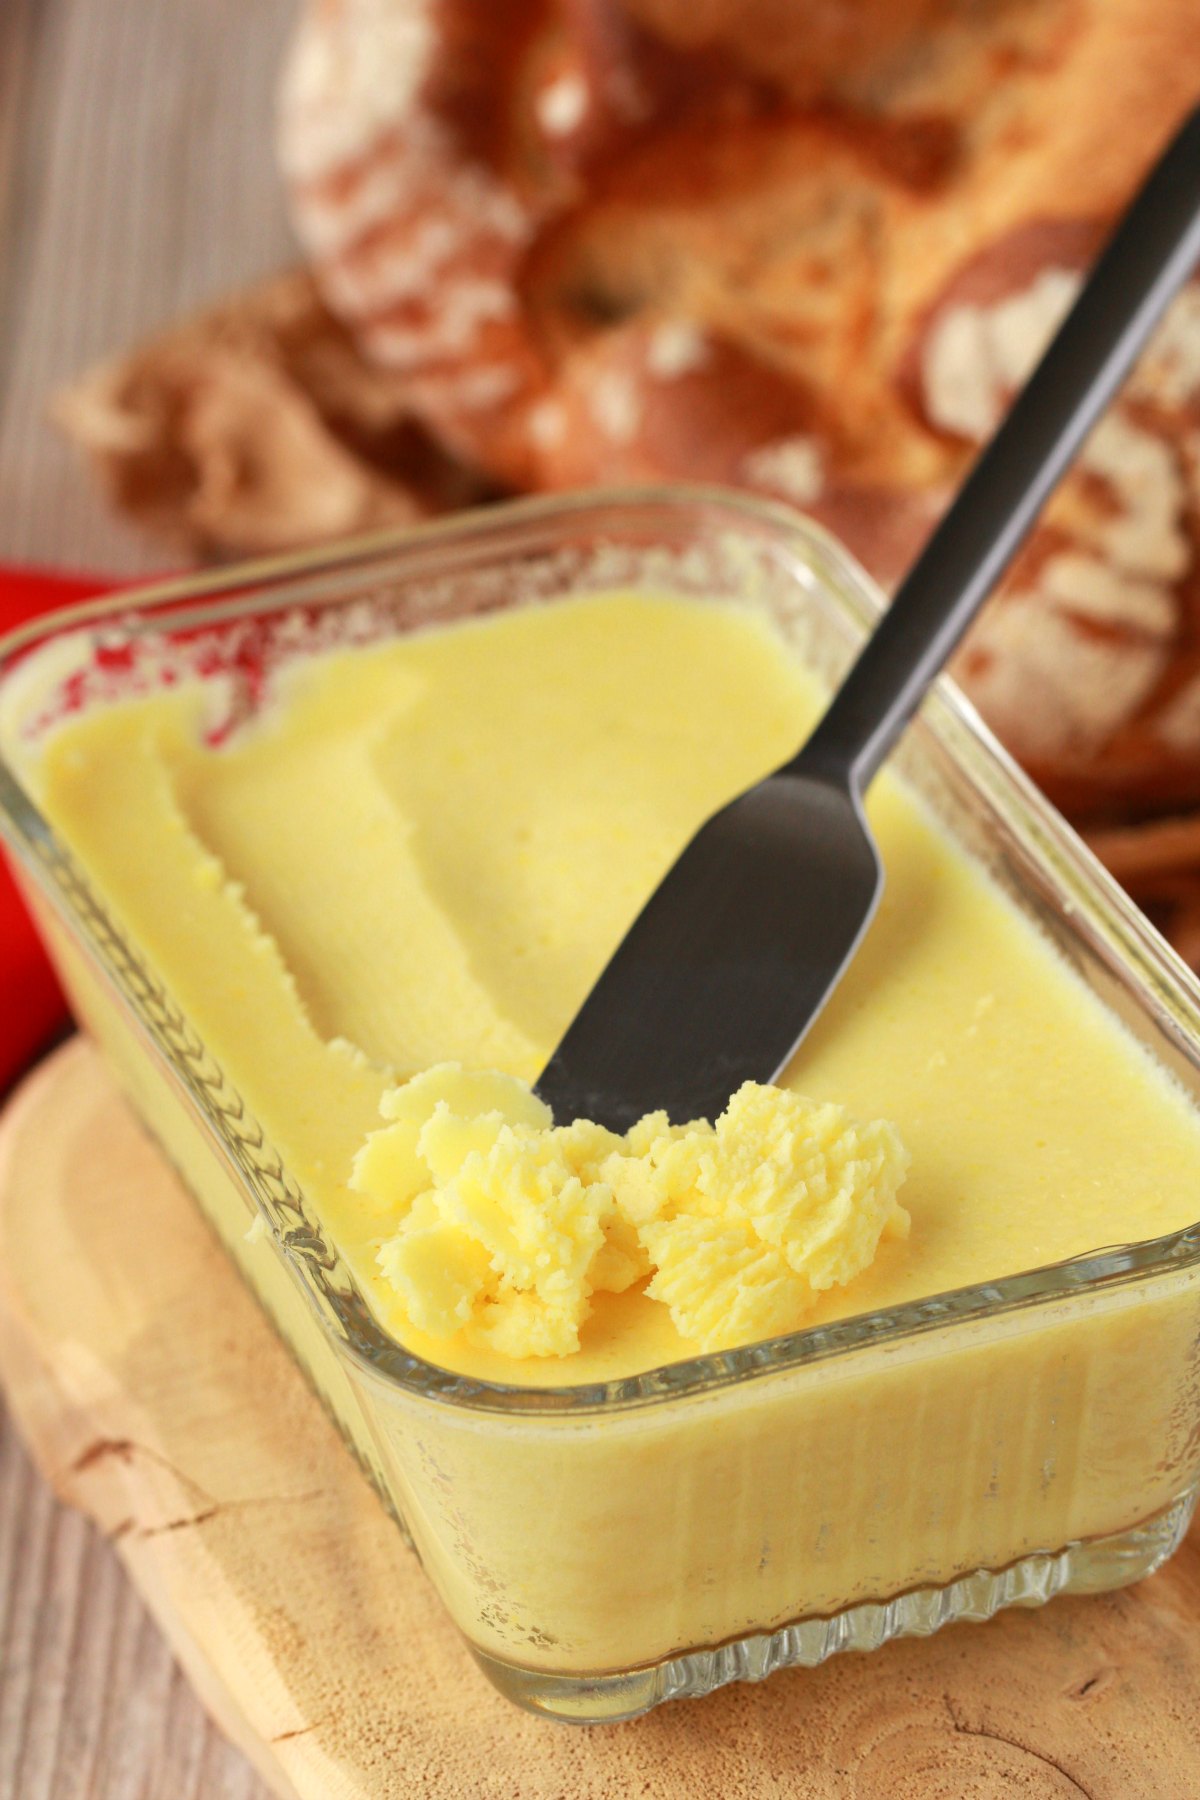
column 499, row 1224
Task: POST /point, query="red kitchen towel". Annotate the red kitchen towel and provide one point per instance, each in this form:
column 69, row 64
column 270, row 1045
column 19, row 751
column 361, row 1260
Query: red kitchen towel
column 31, row 1003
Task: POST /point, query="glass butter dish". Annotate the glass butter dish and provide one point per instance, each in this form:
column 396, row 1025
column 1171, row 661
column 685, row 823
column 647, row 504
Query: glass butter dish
column 606, row 1546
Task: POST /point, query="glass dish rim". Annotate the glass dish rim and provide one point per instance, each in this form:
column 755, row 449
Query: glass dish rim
column 1149, row 965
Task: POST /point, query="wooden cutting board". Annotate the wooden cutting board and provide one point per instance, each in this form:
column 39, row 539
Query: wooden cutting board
column 155, row 1396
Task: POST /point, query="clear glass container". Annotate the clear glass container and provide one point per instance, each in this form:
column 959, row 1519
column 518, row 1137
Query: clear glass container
column 607, row 1547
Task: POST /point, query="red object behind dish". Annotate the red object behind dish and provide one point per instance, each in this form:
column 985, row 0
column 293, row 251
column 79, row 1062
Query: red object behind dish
column 31, row 1004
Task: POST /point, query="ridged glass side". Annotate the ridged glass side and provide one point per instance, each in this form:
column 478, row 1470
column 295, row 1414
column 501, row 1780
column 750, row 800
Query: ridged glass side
column 1091, row 1568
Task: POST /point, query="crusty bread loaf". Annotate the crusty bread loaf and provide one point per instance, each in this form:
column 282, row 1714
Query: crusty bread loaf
column 806, row 246
column 810, row 248
column 258, row 426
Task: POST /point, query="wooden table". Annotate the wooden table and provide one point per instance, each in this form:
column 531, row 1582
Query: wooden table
column 136, row 182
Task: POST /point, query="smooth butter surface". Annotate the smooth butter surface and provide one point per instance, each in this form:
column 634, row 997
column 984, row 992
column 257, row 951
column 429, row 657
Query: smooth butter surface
column 426, row 851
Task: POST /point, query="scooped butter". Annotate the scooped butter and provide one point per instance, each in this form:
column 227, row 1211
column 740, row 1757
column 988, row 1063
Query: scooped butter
column 506, row 1225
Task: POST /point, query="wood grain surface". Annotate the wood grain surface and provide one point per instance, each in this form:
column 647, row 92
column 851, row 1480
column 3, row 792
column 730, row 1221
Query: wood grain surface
column 136, row 181
column 160, row 1401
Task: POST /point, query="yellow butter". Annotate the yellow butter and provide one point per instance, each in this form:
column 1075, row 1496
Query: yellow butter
column 423, row 852
column 506, row 1225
